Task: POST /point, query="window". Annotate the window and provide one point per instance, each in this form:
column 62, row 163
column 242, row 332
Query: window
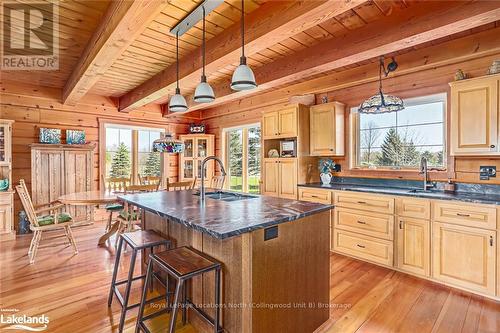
column 242, row 154
column 128, row 151
column 398, row 140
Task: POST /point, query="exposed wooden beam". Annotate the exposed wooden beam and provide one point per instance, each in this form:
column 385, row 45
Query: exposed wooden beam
column 271, row 23
column 479, row 45
column 123, row 21
column 423, row 23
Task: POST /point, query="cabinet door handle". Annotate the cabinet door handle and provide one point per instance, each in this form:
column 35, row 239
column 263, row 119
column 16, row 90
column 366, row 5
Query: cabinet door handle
column 492, row 146
column 400, row 224
column 361, row 222
column 463, row 215
column 361, row 246
column 491, row 240
column 313, row 196
column 362, row 202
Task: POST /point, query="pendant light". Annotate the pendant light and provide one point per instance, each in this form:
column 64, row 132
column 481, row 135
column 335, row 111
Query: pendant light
column 203, row 93
column 382, row 103
column 177, row 102
column 167, row 144
column 243, row 78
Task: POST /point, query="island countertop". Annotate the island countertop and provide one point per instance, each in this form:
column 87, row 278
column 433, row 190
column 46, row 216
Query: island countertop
column 222, row 219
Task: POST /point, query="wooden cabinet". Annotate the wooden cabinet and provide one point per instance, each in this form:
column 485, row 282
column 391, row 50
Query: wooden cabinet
column 326, row 129
column 464, row 256
column 315, row 195
column 413, row 245
column 363, row 247
column 363, row 201
column 280, row 177
column 280, row 124
column 474, row 116
column 471, row 215
column 62, row 169
column 370, row 224
column 7, row 231
column 197, row 147
column 413, row 207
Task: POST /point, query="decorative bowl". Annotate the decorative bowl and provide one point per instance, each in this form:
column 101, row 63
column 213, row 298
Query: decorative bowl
column 4, row 184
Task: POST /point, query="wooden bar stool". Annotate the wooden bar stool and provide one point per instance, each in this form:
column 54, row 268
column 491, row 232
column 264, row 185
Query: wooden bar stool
column 182, row 264
column 138, row 240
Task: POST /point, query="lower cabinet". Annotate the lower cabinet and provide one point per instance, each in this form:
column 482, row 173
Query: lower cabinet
column 363, row 247
column 280, row 177
column 464, row 256
column 413, row 246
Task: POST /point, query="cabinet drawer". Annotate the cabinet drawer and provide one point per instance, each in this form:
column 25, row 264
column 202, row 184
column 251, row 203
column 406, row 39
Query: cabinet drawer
column 472, row 215
column 362, row 201
column 370, row 224
column 315, row 195
column 411, row 207
column 363, row 247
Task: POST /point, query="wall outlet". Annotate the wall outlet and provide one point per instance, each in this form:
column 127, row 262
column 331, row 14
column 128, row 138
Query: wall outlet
column 487, row 172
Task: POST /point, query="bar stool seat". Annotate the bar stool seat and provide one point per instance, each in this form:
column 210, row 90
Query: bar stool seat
column 182, row 264
column 137, row 240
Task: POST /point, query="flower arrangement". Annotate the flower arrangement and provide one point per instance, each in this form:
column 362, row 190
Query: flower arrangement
column 325, row 168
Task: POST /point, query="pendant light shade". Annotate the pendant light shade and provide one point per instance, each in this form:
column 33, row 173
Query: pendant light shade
column 177, row 102
column 168, row 144
column 204, row 92
column 243, row 77
column 382, row 103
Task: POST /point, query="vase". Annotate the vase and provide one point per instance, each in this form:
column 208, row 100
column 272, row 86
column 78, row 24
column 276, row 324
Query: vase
column 326, row 178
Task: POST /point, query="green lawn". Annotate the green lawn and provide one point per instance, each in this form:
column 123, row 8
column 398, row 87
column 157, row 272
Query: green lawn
column 236, row 183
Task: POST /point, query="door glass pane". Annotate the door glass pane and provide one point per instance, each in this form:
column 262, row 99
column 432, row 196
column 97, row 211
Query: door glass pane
column 188, row 149
column 149, row 162
column 202, row 148
column 253, row 159
column 2, row 143
column 188, row 169
column 235, row 157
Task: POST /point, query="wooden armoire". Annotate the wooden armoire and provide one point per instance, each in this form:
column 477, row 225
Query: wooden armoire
column 58, row 169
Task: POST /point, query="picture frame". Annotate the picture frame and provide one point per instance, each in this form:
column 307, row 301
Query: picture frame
column 75, row 137
column 50, row 135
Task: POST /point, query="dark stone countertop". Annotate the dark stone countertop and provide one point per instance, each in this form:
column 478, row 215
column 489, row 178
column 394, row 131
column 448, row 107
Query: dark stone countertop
column 483, row 198
column 222, row 219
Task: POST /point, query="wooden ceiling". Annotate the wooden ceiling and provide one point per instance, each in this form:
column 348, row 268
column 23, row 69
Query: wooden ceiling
column 124, row 49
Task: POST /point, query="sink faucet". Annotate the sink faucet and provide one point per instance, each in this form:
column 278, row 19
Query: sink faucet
column 222, row 170
column 423, row 171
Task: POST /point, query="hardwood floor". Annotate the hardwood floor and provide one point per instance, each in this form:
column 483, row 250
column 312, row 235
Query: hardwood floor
column 72, row 291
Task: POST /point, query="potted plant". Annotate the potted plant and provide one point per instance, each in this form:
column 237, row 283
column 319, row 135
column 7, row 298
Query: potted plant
column 325, row 168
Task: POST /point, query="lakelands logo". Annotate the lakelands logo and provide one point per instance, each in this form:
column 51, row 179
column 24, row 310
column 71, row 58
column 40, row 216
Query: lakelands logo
column 24, row 322
column 30, row 36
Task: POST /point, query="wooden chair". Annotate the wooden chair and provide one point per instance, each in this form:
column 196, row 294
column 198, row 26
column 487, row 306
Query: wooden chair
column 40, row 223
column 115, row 185
column 217, row 182
column 180, row 186
column 130, row 216
column 149, row 180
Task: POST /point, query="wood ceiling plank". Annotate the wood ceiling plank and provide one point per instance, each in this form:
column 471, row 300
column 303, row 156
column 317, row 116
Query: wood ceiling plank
column 318, row 33
column 424, row 23
column 121, row 24
column 351, row 20
column 368, row 12
column 266, row 26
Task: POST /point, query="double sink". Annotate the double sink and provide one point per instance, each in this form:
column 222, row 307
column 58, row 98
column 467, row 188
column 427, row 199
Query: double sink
column 227, row 196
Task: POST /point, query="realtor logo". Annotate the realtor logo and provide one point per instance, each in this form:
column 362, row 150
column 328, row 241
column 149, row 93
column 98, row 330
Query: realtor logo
column 30, row 36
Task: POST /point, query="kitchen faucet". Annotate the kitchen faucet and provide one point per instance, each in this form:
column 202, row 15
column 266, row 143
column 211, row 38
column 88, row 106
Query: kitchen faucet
column 222, row 170
column 423, row 171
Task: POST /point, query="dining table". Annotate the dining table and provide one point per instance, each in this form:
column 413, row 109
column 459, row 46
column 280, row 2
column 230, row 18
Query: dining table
column 91, row 198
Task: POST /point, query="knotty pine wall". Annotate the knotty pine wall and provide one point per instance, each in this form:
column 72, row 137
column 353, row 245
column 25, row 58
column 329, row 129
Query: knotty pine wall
column 32, row 107
column 425, row 82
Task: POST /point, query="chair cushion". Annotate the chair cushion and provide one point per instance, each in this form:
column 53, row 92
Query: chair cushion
column 49, row 219
column 114, row 207
column 128, row 216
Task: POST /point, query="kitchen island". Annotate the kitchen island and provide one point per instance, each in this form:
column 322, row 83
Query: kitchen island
column 274, row 254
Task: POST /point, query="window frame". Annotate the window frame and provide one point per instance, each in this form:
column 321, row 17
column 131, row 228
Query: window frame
column 135, row 127
column 355, row 134
column 225, row 153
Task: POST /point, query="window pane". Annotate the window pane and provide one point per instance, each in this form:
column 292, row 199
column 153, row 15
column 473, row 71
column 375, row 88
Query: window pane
column 253, row 159
column 149, row 162
column 143, row 138
column 235, row 157
column 400, row 139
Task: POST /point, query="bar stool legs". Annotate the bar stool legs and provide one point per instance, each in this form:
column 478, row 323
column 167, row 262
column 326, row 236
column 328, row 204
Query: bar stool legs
column 175, row 306
column 115, row 271
column 148, row 280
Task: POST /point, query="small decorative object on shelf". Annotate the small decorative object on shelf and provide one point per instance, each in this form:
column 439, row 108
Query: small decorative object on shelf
column 4, row 184
column 287, row 148
column 273, row 153
column 75, row 137
column 326, row 166
column 494, row 68
column 196, row 128
column 460, row 75
column 449, row 186
column 23, row 224
column 50, row 135
column 168, row 144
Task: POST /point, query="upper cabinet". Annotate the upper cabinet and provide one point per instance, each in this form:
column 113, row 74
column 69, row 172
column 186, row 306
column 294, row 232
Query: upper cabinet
column 280, row 124
column 327, row 129
column 474, row 116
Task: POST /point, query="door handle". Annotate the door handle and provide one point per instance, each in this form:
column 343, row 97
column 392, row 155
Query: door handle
column 491, row 240
column 463, row 215
column 361, row 246
column 361, row 222
column 362, row 202
column 400, row 224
